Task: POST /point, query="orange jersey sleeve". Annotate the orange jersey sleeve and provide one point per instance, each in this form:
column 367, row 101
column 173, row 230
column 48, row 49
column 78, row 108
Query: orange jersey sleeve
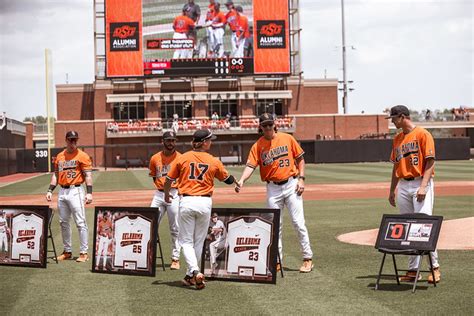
column 410, row 151
column 276, row 158
column 195, row 172
column 183, row 24
column 105, row 228
column 232, row 18
column 70, row 167
column 219, row 18
column 159, row 166
column 243, row 26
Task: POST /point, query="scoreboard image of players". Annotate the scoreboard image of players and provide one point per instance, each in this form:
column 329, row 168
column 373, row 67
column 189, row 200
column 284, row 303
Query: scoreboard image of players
column 125, row 240
column 23, row 235
column 242, row 245
column 409, row 231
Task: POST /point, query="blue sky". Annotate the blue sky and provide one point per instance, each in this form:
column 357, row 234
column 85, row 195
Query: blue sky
column 413, row 52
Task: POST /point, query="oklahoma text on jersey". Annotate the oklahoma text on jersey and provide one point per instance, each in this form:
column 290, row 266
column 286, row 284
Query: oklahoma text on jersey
column 268, row 157
column 130, row 239
column 246, row 243
column 67, row 164
column 406, row 150
column 26, row 234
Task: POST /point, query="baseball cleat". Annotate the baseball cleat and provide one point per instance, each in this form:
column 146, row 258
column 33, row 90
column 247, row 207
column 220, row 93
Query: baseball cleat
column 83, row 257
column 199, row 279
column 65, row 256
column 278, row 267
column 174, row 265
column 188, row 281
column 410, row 276
column 307, row 266
column 437, row 275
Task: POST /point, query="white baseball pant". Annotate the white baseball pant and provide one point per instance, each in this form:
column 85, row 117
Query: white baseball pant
column 218, row 41
column 210, row 41
column 182, row 53
column 279, row 196
column 71, row 202
column 3, row 241
column 194, row 217
column 173, row 214
column 407, row 204
column 102, row 250
column 215, row 249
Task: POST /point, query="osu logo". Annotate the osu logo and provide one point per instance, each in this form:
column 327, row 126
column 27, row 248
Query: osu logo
column 271, row 29
column 124, row 31
column 153, row 44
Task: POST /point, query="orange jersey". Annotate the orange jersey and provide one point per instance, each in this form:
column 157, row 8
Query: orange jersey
column 195, row 172
column 105, row 228
column 211, row 12
column 183, row 24
column 243, row 26
column 219, row 19
column 410, row 151
column 159, row 166
column 276, row 157
column 232, row 18
column 70, row 167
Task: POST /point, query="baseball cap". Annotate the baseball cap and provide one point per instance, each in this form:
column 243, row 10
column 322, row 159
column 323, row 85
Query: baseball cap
column 72, row 134
column 169, row 135
column 264, row 118
column 239, row 8
column 398, row 110
column 229, row 2
column 202, row 135
column 214, row 215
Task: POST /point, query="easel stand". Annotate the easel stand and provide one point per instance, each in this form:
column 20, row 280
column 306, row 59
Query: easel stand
column 281, row 264
column 406, row 252
column 161, row 252
column 50, row 236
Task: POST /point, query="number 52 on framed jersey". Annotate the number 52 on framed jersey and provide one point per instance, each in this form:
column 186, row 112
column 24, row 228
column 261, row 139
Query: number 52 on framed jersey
column 242, row 245
column 125, row 240
column 23, row 235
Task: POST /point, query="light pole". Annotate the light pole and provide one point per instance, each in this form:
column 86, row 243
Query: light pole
column 344, row 76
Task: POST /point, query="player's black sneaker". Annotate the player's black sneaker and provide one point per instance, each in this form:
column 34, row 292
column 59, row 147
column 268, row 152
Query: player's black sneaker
column 188, row 280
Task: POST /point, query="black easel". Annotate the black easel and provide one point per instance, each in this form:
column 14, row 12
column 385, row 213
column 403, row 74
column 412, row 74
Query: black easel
column 406, row 252
column 50, row 235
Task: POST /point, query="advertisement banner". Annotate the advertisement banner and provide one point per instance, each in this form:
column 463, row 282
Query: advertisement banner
column 272, row 49
column 156, row 38
column 123, row 38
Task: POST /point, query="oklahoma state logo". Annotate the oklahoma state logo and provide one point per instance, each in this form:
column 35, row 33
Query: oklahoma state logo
column 271, row 34
column 271, row 29
column 124, row 31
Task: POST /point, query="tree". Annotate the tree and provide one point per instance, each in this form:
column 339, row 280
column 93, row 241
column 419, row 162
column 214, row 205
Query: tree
column 39, row 119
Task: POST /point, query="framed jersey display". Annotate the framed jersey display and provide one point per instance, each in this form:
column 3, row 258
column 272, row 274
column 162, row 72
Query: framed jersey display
column 125, row 240
column 242, row 245
column 409, row 231
column 24, row 235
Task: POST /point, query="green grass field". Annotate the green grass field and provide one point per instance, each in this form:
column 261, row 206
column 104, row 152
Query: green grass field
column 342, row 282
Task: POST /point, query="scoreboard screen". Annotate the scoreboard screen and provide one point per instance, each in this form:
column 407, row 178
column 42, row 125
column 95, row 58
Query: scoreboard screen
column 161, row 38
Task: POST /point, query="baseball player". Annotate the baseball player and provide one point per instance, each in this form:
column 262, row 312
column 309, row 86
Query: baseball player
column 282, row 166
column 72, row 167
column 413, row 158
column 216, row 247
column 241, row 34
column 232, row 19
column 218, row 25
column 104, row 229
column 3, row 232
column 183, row 27
column 210, row 14
column 195, row 171
column 159, row 166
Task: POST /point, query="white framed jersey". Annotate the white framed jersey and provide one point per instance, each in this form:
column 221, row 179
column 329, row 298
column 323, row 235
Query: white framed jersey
column 248, row 245
column 132, row 237
column 27, row 231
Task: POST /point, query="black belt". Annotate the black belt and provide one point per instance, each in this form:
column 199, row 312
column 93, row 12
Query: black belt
column 69, row 186
column 282, row 182
column 409, row 179
column 204, row 195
